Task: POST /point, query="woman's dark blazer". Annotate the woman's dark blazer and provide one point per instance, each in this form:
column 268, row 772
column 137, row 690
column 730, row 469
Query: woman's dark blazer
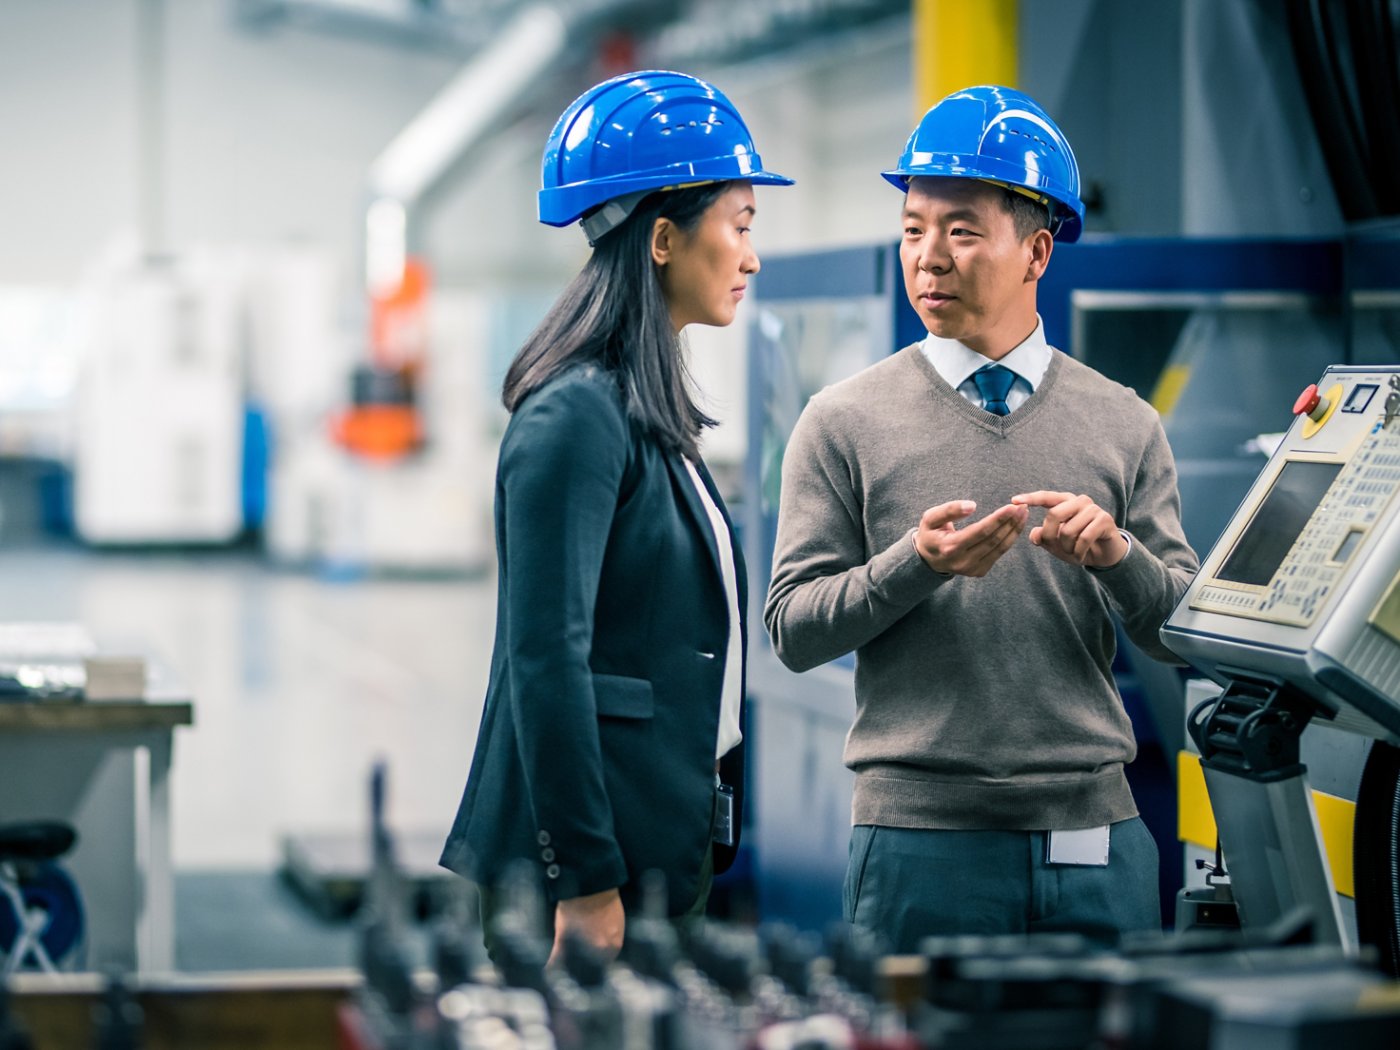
column 596, row 753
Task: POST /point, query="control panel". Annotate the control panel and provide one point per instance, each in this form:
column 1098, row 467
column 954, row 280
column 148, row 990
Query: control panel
column 1303, row 585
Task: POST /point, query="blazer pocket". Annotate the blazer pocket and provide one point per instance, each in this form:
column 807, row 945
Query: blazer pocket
column 618, row 696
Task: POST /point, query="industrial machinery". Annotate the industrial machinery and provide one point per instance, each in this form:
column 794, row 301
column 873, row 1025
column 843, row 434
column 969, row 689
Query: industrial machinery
column 159, row 426
column 822, row 317
column 707, row 985
column 1296, row 614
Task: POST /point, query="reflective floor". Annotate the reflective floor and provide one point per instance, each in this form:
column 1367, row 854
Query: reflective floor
column 300, row 684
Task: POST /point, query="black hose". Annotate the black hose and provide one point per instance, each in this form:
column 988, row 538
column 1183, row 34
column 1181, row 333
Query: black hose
column 1338, row 132
column 1376, row 855
column 1372, row 35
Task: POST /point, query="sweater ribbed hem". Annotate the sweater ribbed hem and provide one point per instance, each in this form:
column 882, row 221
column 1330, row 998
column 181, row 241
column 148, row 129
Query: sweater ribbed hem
column 904, row 799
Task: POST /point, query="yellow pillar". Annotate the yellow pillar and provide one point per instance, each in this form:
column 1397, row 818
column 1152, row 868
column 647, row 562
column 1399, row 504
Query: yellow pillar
column 958, row 43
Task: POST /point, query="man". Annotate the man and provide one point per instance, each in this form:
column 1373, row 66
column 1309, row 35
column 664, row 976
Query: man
column 989, row 739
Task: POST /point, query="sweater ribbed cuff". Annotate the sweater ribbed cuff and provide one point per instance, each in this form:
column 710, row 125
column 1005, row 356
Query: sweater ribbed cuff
column 900, row 576
column 1127, row 538
column 1134, row 577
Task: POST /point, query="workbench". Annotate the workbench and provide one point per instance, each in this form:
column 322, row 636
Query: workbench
column 104, row 767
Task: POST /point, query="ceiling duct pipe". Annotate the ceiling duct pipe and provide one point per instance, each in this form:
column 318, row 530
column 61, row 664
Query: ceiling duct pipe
column 518, row 58
column 724, row 33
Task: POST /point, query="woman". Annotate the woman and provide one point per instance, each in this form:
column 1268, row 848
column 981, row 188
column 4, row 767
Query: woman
column 613, row 710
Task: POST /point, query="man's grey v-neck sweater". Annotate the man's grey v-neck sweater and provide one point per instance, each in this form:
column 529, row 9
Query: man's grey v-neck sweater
column 981, row 703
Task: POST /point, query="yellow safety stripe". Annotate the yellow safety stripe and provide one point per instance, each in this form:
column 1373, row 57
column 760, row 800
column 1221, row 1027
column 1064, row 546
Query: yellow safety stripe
column 1170, row 385
column 1195, row 823
column 1024, row 191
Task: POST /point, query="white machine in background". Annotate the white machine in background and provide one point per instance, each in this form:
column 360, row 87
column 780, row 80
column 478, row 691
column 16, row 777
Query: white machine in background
column 1296, row 613
column 158, row 432
column 426, row 512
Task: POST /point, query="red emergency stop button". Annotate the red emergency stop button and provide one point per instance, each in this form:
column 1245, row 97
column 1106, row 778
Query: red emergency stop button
column 1310, row 403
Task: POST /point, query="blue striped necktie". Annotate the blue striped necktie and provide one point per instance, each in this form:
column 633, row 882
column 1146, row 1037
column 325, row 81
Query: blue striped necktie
column 994, row 383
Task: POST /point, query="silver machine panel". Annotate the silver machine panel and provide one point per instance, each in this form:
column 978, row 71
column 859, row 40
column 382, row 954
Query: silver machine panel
column 1303, row 586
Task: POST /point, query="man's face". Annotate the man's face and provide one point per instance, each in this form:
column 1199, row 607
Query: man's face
column 968, row 276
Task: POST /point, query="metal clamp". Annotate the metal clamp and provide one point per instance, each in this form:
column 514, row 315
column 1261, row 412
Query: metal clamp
column 1253, row 729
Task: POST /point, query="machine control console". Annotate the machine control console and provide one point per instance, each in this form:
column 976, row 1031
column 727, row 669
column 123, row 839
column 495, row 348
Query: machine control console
column 1303, row 584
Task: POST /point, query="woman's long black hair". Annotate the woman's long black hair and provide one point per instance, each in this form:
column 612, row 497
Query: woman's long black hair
column 614, row 315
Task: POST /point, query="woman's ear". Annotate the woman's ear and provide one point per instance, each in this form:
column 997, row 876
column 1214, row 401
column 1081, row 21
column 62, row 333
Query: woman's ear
column 663, row 236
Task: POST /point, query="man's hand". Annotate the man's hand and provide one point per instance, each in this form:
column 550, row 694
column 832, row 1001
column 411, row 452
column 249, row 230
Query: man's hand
column 971, row 551
column 598, row 918
column 1076, row 529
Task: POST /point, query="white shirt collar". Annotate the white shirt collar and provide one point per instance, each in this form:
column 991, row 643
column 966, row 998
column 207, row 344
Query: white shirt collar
column 955, row 362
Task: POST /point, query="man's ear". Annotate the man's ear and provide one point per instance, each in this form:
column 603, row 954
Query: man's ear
column 1041, row 244
column 663, row 241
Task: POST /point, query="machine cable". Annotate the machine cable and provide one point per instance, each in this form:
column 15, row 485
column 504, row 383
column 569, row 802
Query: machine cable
column 1376, row 855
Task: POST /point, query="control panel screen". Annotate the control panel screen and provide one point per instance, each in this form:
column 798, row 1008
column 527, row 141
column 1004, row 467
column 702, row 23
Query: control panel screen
column 1275, row 527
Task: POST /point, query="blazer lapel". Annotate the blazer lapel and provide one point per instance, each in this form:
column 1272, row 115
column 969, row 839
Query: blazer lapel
column 699, row 518
column 741, row 576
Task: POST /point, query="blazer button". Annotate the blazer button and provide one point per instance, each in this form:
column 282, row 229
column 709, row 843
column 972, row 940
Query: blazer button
column 546, row 854
column 542, row 838
column 704, row 655
column 552, row 871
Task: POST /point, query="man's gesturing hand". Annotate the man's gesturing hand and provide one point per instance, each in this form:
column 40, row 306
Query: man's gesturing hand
column 971, row 551
column 1076, row 529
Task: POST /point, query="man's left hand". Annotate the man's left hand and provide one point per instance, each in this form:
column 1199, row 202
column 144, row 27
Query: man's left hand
column 1075, row 529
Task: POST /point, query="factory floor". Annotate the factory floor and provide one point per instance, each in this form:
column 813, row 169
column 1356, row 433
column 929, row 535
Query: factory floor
column 300, row 685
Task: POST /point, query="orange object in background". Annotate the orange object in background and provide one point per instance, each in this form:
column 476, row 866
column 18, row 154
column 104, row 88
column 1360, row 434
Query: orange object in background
column 379, row 431
column 383, row 421
column 617, row 53
column 398, row 321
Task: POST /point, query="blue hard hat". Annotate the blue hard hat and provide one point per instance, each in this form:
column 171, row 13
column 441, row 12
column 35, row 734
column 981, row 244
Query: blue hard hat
column 638, row 133
column 1002, row 136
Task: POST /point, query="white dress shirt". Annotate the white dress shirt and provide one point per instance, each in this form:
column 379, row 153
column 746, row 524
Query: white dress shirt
column 730, row 698
column 1029, row 360
column 956, row 363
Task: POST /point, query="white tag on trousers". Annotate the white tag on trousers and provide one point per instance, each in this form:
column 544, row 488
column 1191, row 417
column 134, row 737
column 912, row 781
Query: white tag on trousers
column 1085, row 846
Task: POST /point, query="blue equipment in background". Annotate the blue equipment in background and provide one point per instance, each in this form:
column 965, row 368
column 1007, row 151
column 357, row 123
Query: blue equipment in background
column 41, row 912
column 821, row 317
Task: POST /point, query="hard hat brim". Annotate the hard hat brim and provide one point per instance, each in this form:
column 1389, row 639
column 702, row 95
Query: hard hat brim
column 565, row 205
column 1068, row 207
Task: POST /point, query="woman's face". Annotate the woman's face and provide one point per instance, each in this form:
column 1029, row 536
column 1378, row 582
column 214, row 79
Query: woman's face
column 705, row 271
